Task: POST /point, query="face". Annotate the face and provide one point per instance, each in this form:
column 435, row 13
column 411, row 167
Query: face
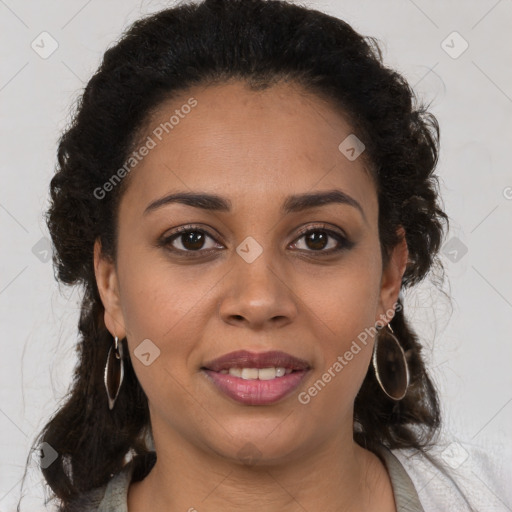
column 257, row 273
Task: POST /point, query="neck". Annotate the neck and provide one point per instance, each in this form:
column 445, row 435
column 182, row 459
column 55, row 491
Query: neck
column 335, row 476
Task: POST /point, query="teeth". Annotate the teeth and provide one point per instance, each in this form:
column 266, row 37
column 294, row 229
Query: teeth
column 268, row 373
column 280, row 372
column 258, row 373
column 249, row 373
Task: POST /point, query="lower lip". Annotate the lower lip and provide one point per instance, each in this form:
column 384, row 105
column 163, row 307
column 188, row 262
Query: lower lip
column 256, row 392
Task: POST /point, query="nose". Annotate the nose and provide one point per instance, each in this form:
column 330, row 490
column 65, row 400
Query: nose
column 258, row 294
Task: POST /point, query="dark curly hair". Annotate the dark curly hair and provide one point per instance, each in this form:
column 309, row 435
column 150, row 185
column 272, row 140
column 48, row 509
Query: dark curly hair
column 260, row 42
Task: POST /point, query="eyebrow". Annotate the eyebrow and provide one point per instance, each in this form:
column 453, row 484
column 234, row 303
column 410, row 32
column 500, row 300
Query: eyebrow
column 292, row 204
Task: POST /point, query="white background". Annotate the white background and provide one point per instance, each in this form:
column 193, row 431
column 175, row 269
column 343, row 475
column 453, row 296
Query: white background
column 468, row 342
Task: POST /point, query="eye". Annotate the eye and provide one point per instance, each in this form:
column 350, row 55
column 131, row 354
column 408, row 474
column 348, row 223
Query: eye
column 190, row 238
column 317, row 239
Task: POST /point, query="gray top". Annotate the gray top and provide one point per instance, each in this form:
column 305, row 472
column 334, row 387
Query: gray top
column 113, row 496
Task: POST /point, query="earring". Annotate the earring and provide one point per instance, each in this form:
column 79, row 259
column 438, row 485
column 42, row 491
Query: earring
column 114, row 372
column 390, row 364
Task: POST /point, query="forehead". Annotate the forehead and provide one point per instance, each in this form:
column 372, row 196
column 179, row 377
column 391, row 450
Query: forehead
column 253, row 146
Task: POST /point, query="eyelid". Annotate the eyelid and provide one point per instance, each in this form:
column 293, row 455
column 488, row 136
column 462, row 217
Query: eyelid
column 321, row 226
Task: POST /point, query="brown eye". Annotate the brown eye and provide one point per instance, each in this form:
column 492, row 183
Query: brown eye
column 187, row 239
column 318, row 239
column 192, row 240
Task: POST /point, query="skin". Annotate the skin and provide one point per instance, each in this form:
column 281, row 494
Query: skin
column 255, row 149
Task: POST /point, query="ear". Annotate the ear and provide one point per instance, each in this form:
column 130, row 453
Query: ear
column 108, row 287
column 392, row 279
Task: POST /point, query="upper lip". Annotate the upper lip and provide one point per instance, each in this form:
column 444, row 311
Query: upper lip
column 246, row 359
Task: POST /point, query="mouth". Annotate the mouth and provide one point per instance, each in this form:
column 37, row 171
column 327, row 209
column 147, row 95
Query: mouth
column 256, row 378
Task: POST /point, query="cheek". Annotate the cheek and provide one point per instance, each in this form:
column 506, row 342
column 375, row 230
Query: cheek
column 344, row 317
column 160, row 299
column 342, row 304
column 161, row 304
column 343, row 299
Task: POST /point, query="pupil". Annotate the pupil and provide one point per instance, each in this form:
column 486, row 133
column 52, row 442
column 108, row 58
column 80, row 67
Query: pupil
column 192, row 240
column 317, row 238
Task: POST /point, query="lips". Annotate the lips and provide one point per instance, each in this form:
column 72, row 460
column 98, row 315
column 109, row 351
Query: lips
column 262, row 386
column 245, row 359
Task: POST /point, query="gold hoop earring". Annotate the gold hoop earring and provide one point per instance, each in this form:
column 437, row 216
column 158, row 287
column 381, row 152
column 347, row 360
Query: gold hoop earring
column 114, row 372
column 390, row 364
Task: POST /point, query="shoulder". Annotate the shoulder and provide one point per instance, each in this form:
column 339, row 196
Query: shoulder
column 465, row 476
column 111, row 497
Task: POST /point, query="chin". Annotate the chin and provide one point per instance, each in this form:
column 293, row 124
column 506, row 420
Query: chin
column 260, row 443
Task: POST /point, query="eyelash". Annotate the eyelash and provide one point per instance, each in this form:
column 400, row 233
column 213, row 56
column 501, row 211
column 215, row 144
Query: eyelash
column 344, row 243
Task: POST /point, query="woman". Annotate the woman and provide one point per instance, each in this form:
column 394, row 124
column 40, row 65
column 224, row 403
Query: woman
column 243, row 193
